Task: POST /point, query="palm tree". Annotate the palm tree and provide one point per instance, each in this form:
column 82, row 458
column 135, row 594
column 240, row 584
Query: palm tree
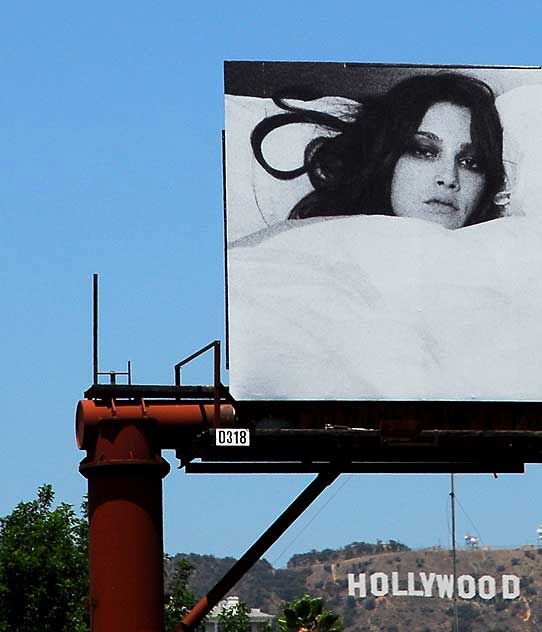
column 307, row 614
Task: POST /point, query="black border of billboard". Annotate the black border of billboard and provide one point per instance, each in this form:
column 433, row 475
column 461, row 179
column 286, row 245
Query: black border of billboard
column 263, row 78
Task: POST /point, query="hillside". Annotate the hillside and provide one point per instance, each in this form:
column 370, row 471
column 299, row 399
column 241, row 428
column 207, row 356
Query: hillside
column 325, row 574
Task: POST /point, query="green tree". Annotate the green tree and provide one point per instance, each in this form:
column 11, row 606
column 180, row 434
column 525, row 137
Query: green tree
column 43, row 567
column 307, row 614
column 179, row 600
column 234, row 618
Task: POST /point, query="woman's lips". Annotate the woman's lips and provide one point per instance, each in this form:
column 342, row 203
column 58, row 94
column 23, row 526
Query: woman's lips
column 441, row 206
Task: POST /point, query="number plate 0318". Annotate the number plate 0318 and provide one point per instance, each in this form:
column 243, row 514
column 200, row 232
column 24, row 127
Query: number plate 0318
column 233, row 437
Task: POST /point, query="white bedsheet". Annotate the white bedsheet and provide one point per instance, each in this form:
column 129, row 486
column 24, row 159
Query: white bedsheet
column 379, row 307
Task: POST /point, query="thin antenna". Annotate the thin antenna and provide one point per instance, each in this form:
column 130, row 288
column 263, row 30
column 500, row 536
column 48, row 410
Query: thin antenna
column 454, row 556
column 95, row 328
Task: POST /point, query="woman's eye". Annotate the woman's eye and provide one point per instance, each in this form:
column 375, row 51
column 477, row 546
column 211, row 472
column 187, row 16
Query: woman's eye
column 470, row 163
column 425, row 153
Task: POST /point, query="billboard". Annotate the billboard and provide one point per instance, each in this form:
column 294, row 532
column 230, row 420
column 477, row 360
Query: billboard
column 384, row 232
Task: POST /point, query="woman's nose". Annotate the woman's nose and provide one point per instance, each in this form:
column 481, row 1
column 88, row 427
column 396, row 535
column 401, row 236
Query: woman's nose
column 447, row 175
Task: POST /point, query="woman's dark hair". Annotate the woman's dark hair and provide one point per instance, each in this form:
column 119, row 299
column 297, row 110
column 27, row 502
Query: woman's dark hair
column 351, row 171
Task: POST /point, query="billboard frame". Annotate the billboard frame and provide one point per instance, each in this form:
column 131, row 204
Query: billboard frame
column 264, row 79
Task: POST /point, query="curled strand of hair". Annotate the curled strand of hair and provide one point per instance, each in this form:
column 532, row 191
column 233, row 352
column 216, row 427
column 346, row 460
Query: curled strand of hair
column 297, row 93
column 312, row 116
column 293, row 115
column 258, row 135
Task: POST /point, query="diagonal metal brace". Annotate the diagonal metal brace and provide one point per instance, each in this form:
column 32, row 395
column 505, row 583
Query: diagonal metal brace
column 254, row 553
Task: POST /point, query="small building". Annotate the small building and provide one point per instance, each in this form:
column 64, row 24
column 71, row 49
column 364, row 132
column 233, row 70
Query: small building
column 256, row 617
column 473, row 541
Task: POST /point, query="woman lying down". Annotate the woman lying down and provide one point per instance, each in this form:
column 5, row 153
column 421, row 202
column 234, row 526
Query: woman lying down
column 430, row 148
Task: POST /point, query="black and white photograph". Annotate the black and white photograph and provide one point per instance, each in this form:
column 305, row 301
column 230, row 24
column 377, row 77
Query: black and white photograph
column 384, row 231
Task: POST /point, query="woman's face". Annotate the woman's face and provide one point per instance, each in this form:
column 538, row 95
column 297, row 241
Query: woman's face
column 439, row 178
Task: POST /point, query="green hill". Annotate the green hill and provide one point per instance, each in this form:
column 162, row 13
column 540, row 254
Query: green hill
column 325, row 574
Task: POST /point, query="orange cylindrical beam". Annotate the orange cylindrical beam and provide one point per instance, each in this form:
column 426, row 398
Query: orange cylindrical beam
column 124, row 471
column 167, row 416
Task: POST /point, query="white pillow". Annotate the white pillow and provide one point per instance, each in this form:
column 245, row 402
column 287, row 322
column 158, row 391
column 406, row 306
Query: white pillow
column 520, row 110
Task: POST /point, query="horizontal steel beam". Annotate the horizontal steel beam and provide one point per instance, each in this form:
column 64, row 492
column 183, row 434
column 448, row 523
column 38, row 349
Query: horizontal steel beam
column 355, row 468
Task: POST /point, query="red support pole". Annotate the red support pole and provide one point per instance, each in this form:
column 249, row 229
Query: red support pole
column 124, row 469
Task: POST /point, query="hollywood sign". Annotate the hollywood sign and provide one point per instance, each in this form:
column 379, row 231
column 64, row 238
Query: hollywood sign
column 432, row 584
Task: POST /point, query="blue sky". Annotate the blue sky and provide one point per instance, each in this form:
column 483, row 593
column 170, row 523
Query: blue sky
column 112, row 163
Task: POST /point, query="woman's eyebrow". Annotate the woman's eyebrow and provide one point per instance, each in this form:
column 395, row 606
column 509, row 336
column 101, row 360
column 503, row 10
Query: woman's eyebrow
column 428, row 135
column 468, row 146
